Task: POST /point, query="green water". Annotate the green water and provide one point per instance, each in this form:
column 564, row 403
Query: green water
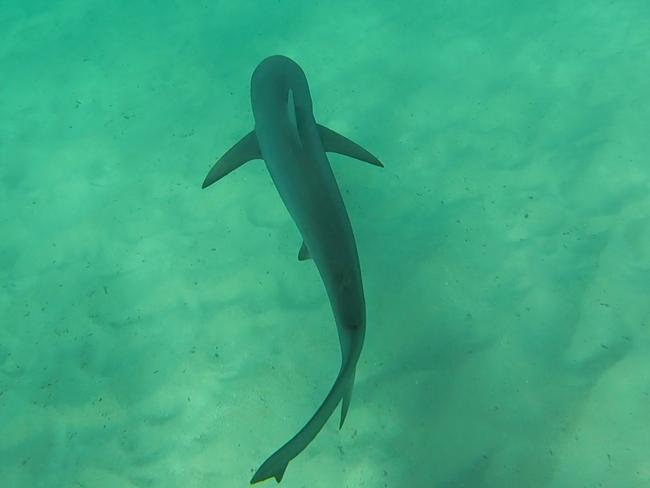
column 153, row 334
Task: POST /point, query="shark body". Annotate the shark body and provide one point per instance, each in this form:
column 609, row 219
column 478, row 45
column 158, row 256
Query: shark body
column 293, row 146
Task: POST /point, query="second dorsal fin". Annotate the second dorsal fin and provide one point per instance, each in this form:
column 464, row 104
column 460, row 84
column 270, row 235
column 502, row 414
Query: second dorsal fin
column 303, row 254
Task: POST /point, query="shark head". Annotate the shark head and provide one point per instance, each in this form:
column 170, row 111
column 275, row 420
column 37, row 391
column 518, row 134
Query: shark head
column 279, row 84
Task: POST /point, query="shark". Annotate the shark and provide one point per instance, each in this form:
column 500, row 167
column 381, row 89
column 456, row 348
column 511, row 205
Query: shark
column 294, row 147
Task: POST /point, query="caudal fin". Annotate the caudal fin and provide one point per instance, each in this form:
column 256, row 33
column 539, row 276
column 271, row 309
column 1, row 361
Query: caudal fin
column 276, row 464
column 273, row 467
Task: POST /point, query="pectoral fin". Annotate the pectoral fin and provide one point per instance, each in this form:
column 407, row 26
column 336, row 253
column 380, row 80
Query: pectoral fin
column 335, row 142
column 303, row 254
column 245, row 150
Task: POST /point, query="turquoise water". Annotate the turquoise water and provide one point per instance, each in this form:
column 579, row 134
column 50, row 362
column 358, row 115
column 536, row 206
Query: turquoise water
column 153, row 334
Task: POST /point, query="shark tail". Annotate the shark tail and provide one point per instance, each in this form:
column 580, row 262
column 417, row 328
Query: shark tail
column 276, row 464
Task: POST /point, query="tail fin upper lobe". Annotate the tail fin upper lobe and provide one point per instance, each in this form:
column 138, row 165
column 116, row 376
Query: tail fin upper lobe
column 276, row 464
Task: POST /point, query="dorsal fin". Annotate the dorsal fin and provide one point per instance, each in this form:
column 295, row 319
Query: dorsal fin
column 245, row 150
column 303, row 254
column 293, row 117
column 335, row 142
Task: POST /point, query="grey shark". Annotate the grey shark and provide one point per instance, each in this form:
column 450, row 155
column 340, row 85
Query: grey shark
column 293, row 146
